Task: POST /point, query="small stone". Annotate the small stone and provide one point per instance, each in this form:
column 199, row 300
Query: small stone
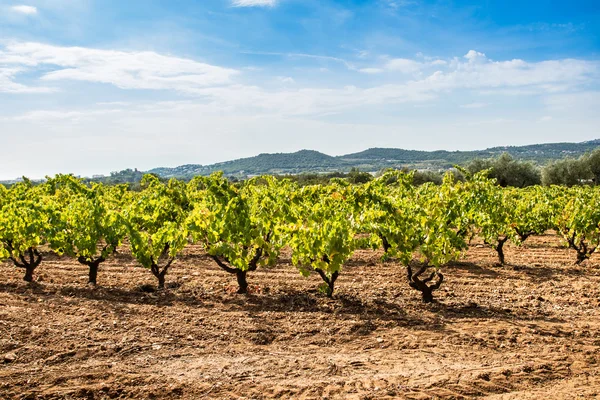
column 10, row 357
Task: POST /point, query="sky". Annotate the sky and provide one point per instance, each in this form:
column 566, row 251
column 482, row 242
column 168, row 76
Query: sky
column 94, row 86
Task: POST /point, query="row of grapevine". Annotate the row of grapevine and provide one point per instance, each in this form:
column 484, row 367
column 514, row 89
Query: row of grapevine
column 244, row 226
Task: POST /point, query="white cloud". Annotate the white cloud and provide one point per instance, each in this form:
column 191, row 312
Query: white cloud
column 545, row 118
column 480, row 75
column 27, row 10
column 474, row 105
column 396, row 4
column 479, row 72
column 45, row 116
column 570, row 101
column 404, row 65
column 308, row 101
column 413, row 81
column 113, row 103
column 221, row 109
column 304, row 55
column 254, row 3
column 475, row 56
column 287, row 80
column 494, row 121
column 8, row 84
column 476, row 74
column 371, row 70
column 126, row 70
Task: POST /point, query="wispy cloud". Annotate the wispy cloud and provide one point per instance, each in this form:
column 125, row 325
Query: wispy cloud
column 475, row 71
column 371, row 70
column 494, row 121
column 403, row 65
column 126, row 70
column 347, row 64
column 286, row 79
column 474, row 105
column 23, row 9
column 480, row 72
column 409, row 81
column 45, row 116
column 254, row 3
column 396, row 4
column 429, row 80
column 573, row 102
column 8, row 84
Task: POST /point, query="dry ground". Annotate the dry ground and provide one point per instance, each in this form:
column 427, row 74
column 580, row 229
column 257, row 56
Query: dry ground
column 527, row 330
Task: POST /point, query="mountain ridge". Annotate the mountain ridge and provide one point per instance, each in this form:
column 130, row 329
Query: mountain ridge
column 374, row 159
column 370, row 160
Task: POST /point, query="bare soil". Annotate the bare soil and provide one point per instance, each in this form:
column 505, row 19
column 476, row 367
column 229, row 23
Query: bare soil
column 528, row 330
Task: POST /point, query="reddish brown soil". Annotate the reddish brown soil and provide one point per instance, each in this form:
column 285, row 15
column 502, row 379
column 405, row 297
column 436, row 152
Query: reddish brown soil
column 527, row 330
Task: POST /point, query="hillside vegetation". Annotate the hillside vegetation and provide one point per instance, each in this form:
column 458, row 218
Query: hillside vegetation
column 374, row 159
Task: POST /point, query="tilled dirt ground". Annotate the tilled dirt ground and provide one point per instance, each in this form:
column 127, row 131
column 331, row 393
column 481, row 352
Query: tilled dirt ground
column 527, row 330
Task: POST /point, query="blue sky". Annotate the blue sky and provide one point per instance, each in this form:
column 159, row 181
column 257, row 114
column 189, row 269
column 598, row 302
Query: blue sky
column 92, row 86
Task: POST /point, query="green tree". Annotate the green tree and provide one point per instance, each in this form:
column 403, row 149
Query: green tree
column 507, row 171
column 421, row 177
column 593, row 162
column 566, row 172
column 355, row 176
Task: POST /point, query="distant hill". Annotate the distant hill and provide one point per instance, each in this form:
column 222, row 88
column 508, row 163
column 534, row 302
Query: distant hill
column 374, row 159
column 278, row 163
column 538, row 153
column 371, row 160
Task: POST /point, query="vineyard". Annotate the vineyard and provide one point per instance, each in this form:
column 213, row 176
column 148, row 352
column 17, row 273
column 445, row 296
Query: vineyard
column 377, row 290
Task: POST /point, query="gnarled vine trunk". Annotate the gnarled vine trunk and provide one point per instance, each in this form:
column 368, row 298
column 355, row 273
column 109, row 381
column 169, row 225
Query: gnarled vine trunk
column 329, row 280
column 158, row 271
column 386, row 244
column 419, row 284
column 583, row 250
column 29, row 263
column 93, row 265
column 500, row 249
column 241, row 275
column 242, row 281
column 524, row 235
